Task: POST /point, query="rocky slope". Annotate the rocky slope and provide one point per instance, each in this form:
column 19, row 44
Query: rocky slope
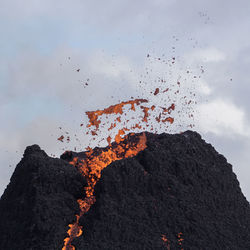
column 39, row 202
column 178, row 193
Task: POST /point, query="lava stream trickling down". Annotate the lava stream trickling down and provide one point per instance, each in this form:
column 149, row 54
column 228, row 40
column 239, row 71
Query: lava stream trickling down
column 91, row 168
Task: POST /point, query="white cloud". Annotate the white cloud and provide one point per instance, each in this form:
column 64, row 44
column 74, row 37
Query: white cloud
column 204, row 88
column 207, row 55
column 222, row 117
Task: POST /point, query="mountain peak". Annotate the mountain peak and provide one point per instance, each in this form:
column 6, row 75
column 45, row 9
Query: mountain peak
column 176, row 192
column 34, row 149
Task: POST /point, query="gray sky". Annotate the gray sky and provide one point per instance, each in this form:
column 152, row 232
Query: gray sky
column 40, row 89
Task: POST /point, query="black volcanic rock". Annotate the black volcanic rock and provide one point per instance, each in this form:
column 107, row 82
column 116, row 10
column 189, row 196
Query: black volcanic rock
column 178, row 184
column 39, row 202
column 179, row 189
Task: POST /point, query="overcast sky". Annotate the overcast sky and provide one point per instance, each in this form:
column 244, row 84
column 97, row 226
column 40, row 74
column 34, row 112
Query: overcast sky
column 43, row 43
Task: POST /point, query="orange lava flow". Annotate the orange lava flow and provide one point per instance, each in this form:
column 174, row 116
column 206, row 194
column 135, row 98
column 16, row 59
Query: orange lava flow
column 113, row 109
column 91, row 168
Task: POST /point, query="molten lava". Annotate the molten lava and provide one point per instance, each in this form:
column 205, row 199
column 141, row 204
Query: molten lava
column 91, row 168
column 113, row 109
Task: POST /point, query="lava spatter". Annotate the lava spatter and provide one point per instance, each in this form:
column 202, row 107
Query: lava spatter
column 121, row 124
column 156, row 91
column 116, row 121
column 91, row 168
column 168, row 119
column 60, row 138
column 113, row 109
column 166, row 242
column 145, row 111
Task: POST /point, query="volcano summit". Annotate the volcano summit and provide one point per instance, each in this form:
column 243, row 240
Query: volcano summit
column 146, row 192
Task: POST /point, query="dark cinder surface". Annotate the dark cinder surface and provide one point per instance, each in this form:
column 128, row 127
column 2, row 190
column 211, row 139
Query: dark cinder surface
column 178, row 184
column 39, row 202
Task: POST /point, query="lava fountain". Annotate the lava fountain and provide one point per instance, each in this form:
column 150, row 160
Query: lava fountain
column 96, row 160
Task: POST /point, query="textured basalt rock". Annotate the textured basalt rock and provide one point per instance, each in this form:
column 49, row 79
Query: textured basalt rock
column 39, row 202
column 179, row 185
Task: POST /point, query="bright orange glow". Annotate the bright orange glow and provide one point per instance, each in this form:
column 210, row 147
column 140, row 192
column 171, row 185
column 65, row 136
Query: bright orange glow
column 164, row 238
column 113, row 109
column 91, row 168
column 168, row 119
column 109, row 140
column 180, row 239
column 118, row 137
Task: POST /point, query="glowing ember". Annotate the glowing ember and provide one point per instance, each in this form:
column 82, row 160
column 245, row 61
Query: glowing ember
column 109, row 140
column 121, row 123
column 180, row 239
column 145, row 110
column 118, row 137
column 165, row 241
column 168, row 119
column 60, row 138
column 156, row 91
